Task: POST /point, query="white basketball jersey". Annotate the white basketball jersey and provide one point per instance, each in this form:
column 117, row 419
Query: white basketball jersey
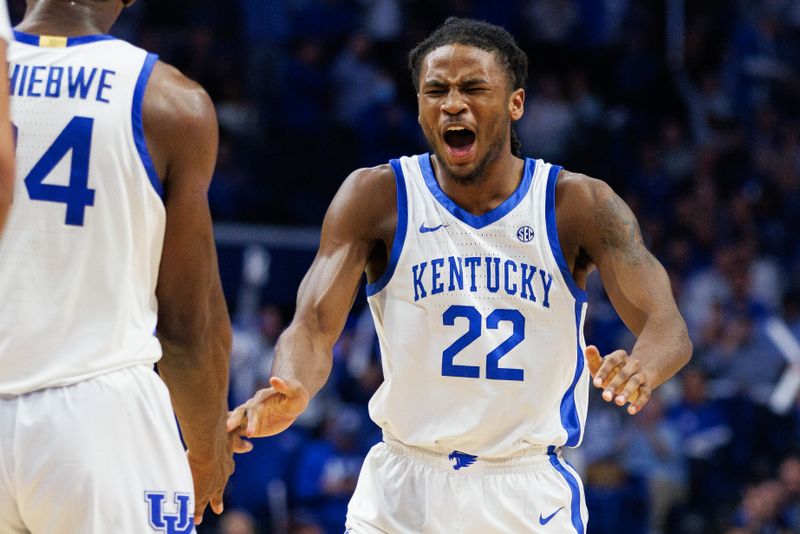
column 5, row 24
column 479, row 321
column 80, row 255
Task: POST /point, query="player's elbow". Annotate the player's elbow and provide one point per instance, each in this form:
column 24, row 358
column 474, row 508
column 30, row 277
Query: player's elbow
column 184, row 331
column 196, row 344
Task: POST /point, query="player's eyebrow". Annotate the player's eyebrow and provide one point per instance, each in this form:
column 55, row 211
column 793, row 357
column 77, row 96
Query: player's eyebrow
column 434, row 83
column 470, row 82
column 474, row 81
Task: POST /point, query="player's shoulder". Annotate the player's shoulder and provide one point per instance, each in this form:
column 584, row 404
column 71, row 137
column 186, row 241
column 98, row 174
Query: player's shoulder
column 372, row 179
column 376, row 186
column 370, row 190
column 580, row 192
column 366, row 200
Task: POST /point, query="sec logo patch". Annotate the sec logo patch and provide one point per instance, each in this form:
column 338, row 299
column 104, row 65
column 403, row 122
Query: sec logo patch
column 525, row 234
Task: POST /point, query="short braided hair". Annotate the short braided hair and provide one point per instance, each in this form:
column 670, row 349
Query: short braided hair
column 481, row 35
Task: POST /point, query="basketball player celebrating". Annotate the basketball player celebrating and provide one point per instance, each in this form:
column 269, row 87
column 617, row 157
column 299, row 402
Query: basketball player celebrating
column 109, row 241
column 6, row 139
column 476, row 261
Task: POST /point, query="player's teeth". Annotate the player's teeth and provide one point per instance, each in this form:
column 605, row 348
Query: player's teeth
column 455, row 129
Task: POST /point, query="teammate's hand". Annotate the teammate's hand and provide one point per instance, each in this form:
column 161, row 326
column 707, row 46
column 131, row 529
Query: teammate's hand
column 210, row 475
column 621, row 378
column 271, row 410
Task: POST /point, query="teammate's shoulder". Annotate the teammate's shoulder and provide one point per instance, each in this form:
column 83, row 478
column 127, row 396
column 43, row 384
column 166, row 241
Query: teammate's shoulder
column 172, row 94
column 179, row 120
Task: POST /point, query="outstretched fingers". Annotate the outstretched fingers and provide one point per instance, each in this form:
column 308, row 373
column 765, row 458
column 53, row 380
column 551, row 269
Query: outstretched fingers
column 638, row 402
column 607, row 369
column 628, row 374
column 253, row 411
column 290, row 388
column 239, row 445
column 621, row 378
column 236, row 418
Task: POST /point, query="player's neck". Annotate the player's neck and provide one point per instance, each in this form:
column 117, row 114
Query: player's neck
column 497, row 182
column 68, row 19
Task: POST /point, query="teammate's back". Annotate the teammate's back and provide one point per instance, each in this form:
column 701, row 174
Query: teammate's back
column 103, row 271
column 82, row 249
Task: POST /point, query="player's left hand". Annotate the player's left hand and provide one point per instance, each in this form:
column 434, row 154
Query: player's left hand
column 621, row 378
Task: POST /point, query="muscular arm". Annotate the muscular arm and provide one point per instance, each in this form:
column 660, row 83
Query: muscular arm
column 360, row 218
column 350, row 232
column 6, row 143
column 639, row 289
column 603, row 228
column 193, row 324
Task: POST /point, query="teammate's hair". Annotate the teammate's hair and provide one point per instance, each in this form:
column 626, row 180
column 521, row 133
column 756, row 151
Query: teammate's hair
column 481, row 35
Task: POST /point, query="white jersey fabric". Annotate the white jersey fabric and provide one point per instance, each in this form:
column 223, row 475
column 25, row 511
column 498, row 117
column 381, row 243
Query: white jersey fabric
column 5, row 23
column 81, row 250
column 479, row 322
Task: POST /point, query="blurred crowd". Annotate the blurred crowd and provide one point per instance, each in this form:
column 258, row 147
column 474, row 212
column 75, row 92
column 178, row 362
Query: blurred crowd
column 690, row 110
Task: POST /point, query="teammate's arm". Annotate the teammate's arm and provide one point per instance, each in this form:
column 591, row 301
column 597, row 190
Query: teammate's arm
column 6, row 140
column 303, row 355
column 193, row 324
column 638, row 286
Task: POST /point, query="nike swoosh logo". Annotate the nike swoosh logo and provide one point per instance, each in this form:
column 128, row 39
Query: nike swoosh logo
column 425, row 229
column 544, row 520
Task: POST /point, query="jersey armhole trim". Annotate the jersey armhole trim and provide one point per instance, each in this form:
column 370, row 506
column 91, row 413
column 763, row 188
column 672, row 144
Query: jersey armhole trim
column 552, row 235
column 400, row 231
column 570, row 419
column 138, row 125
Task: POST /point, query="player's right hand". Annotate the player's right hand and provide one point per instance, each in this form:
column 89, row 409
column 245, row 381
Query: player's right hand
column 271, row 410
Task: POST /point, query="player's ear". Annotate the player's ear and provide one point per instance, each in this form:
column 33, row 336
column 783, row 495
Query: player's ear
column 516, row 104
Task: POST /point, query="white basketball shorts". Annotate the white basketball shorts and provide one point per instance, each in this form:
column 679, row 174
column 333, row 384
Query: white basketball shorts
column 407, row 490
column 99, row 456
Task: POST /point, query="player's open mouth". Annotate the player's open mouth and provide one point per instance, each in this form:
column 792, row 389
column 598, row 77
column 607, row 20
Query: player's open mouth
column 459, row 141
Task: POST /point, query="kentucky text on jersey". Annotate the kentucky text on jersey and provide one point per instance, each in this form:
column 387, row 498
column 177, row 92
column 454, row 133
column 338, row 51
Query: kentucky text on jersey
column 455, row 273
column 50, row 81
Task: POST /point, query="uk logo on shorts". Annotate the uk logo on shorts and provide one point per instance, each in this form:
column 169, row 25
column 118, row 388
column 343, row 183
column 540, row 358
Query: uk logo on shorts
column 169, row 523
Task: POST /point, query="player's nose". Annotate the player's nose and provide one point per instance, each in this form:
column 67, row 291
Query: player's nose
column 453, row 104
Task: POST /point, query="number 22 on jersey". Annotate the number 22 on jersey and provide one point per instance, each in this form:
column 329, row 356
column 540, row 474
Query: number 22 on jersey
column 475, row 325
column 76, row 137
